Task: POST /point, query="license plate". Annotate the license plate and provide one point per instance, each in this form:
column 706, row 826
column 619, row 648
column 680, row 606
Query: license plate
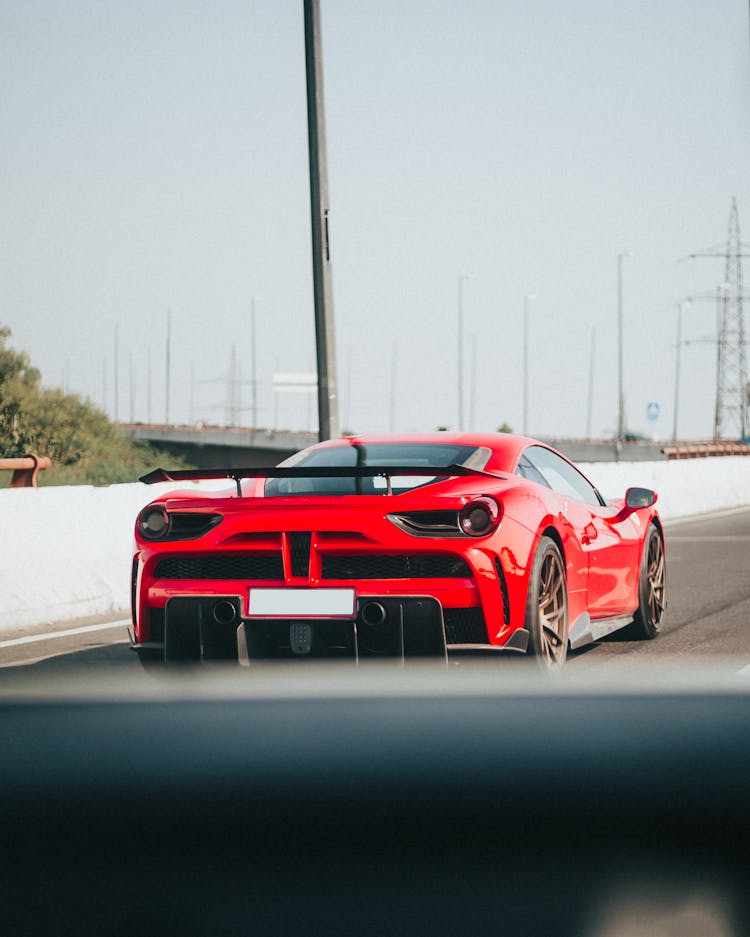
column 301, row 603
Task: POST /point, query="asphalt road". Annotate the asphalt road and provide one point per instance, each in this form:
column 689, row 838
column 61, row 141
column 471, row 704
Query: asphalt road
column 708, row 595
column 708, row 583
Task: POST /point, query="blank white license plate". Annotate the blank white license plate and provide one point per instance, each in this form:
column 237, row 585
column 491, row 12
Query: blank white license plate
column 301, row 603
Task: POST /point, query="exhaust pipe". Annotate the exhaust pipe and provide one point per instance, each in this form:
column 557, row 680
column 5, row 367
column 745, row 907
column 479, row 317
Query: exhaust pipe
column 224, row 612
column 373, row 614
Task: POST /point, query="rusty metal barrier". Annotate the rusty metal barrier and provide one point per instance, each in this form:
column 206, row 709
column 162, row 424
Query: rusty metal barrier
column 25, row 469
column 704, row 450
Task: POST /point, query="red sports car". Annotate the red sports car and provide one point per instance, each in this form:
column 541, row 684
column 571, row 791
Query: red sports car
column 395, row 547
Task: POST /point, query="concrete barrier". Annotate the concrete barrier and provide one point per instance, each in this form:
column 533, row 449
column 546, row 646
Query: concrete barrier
column 66, row 552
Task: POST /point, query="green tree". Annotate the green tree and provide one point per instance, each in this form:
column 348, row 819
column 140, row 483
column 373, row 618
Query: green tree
column 19, row 382
column 85, row 448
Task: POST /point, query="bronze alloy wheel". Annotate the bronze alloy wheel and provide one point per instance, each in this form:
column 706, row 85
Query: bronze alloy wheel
column 652, row 589
column 655, row 572
column 547, row 607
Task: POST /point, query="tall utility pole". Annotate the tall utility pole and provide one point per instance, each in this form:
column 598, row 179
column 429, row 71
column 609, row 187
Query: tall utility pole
column 731, row 418
column 681, row 307
column 348, row 390
column 460, row 351
column 715, row 297
column 275, row 423
column 473, row 384
column 526, row 305
column 131, row 385
column 148, row 384
column 167, row 377
column 620, row 384
column 328, row 421
column 253, row 365
column 117, row 369
column 590, row 401
column 392, row 401
column 233, row 391
column 191, row 417
column 722, row 291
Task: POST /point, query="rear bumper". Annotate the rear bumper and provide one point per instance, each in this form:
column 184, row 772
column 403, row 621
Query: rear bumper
column 213, row 628
column 481, row 589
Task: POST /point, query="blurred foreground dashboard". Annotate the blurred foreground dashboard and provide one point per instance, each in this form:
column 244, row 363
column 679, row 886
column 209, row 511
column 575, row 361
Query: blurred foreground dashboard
column 375, row 802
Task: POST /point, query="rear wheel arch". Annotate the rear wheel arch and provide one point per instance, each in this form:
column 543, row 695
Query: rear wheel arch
column 550, row 531
column 554, row 534
column 656, row 521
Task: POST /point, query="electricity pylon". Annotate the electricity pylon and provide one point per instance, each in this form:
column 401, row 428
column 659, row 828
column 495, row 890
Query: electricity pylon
column 730, row 415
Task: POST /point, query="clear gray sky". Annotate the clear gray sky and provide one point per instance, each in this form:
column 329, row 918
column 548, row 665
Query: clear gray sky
column 154, row 157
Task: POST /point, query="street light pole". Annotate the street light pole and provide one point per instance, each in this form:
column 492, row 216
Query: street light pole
column 253, row 365
column 392, row 401
column 167, row 372
column 722, row 298
column 681, row 307
column 473, row 384
column 117, row 369
column 148, row 384
column 460, row 351
column 328, row 422
column 526, row 303
column 620, row 391
column 590, row 401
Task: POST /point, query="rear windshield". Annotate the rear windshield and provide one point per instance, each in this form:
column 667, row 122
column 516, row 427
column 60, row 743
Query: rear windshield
column 430, row 455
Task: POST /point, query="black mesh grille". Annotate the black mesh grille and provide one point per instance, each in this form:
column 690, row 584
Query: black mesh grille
column 300, row 552
column 376, row 566
column 464, row 626
column 222, row 566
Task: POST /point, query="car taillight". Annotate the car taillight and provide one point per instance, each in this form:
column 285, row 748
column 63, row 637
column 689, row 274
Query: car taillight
column 156, row 523
column 479, row 517
column 153, row 522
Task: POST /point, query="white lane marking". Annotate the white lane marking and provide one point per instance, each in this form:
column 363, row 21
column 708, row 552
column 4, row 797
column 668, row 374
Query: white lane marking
column 50, row 636
column 717, row 539
column 744, row 671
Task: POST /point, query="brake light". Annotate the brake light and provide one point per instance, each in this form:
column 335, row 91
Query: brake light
column 156, row 523
column 153, row 522
column 479, row 517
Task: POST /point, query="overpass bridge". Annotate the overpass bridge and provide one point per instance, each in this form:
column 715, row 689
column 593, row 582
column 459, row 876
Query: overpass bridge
column 220, row 446
column 237, row 447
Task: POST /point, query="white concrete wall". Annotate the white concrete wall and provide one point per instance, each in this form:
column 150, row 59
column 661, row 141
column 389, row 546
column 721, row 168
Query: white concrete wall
column 685, row 487
column 66, row 552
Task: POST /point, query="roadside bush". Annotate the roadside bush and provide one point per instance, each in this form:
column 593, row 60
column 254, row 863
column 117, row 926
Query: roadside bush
column 84, row 446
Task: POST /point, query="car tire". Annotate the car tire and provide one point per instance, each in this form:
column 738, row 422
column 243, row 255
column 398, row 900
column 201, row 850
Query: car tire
column 547, row 607
column 652, row 583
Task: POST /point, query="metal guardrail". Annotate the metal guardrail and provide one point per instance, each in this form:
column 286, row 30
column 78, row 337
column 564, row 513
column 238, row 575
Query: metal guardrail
column 706, row 449
column 25, row 469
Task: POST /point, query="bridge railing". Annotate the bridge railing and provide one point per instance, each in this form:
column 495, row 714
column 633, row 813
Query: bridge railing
column 704, row 450
column 25, row 469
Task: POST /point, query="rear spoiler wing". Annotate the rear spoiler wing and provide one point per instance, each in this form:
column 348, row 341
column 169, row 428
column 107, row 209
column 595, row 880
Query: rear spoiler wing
column 299, row 471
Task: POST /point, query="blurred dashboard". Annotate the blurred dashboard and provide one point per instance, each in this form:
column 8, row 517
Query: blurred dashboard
column 412, row 801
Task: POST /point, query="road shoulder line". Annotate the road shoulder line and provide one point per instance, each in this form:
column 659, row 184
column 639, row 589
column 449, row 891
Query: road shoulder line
column 68, row 632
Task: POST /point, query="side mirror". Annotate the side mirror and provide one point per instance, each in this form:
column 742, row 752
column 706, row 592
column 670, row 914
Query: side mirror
column 639, row 498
